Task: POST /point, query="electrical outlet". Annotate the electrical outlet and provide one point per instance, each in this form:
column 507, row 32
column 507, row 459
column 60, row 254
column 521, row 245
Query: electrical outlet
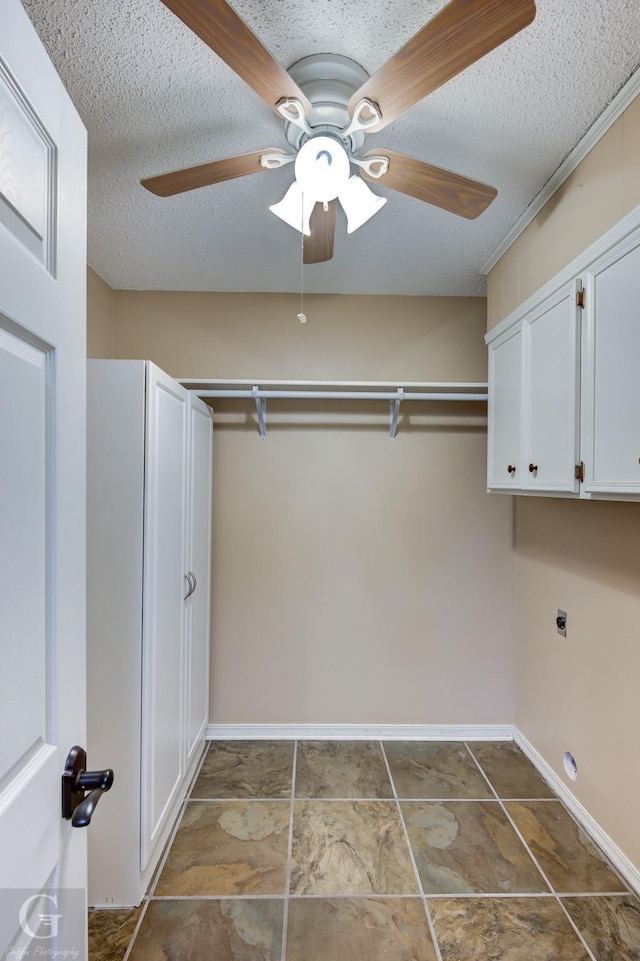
column 561, row 622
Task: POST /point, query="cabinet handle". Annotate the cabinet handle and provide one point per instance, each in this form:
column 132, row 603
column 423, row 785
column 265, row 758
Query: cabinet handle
column 191, row 588
column 190, row 578
column 533, row 468
column 511, row 469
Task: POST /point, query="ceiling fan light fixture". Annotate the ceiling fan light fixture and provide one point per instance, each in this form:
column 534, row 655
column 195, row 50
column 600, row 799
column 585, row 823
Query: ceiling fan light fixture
column 322, row 170
column 295, row 208
column 359, row 202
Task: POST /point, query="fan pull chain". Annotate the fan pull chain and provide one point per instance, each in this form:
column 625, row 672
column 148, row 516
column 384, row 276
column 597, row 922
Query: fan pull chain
column 302, row 317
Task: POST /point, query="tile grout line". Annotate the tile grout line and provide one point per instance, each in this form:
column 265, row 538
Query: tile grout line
column 233, row 800
column 432, row 930
column 549, row 895
column 533, row 858
column 612, row 868
column 369, row 800
column 165, row 855
column 145, row 905
column 511, row 821
column 287, row 881
column 430, row 800
column 557, row 800
column 575, row 928
column 147, row 897
column 155, row 877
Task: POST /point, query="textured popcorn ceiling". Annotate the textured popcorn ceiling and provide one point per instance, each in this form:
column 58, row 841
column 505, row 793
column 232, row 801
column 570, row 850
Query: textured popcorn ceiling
column 154, row 98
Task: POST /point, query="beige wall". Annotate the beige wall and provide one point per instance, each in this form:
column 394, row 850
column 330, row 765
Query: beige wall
column 101, row 301
column 355, row 580
column 580, row 694
column 346, row 338
column 603, row 188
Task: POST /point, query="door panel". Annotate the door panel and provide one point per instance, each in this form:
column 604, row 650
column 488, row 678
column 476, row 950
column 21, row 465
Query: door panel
column 198, row 605
column 24, row 537
column 164, row 552
column 27, row 181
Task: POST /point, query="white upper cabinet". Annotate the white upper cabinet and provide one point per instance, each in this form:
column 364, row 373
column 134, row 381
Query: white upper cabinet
column 534, row 378
column 505, row 410
column 574, row 429
column 611, row 401
column 551, row 395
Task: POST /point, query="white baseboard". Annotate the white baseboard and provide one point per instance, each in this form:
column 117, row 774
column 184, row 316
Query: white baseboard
column 361, row 732
column 623, row 865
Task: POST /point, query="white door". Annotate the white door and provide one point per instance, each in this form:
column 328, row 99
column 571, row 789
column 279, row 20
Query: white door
column 198, row 603
column 505, row 410
column 42, row 491
column 611, row 407
column 164, row 590
column 552, row 392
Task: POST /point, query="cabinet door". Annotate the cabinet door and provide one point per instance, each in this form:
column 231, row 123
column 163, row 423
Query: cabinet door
column 611, row 418
column 505, row 409
column 197, row 605
column 552, row 386
column 164, row 552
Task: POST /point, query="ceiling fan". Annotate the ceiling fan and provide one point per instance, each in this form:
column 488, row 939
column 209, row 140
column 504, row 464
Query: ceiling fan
column 329, row 103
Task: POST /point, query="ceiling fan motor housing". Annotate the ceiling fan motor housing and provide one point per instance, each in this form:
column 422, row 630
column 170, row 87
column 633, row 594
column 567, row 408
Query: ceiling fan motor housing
column 329, row 81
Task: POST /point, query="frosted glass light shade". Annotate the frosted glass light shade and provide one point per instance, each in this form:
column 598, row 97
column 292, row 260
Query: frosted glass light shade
column 322, row 168
column 295, row 208
column 359, row 202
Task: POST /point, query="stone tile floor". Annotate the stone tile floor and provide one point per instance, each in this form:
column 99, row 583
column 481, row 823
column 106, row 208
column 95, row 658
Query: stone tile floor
column 374, row 851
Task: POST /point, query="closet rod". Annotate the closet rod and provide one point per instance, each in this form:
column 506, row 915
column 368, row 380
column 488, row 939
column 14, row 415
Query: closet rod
column 315, row 390
column 339, row 395
column 394, row 397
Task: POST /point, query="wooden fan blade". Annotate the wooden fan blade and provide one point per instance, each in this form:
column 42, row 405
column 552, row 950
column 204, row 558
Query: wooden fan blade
column 190, row 178
column 433, row 185
column 220, row 27
column 318, row 247
column 460, row 34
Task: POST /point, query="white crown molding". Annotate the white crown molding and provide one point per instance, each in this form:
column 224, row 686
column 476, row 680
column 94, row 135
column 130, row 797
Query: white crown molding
column 369, row 732
column 628, row 871
column 596, row 132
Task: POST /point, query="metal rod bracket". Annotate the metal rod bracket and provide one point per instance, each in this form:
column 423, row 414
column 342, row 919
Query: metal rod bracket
column 261, row 410
column 394, row 411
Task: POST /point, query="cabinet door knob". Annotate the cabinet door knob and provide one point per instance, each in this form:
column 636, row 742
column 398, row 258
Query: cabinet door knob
column 533, row 468
column 511, row 469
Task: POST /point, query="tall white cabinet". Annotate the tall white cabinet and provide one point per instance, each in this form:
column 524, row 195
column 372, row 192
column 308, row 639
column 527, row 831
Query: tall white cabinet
column 148, row 593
